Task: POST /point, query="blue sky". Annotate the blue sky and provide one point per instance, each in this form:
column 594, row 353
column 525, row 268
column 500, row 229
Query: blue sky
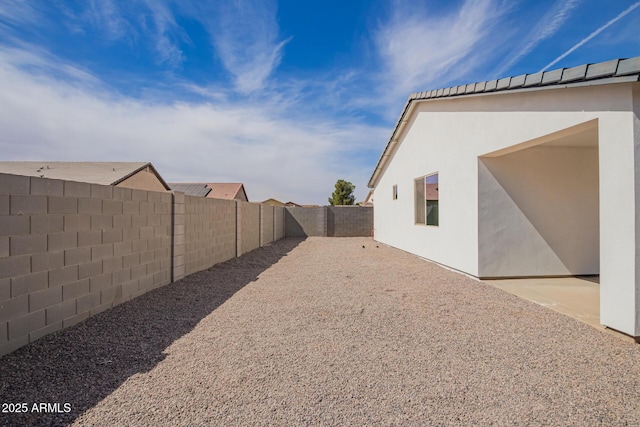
column 287, row 97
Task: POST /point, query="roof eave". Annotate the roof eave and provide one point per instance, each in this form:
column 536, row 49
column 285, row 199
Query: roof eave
column 433, row 96
column 148, row 164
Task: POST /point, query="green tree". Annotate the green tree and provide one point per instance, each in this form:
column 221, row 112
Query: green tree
column 343, row 194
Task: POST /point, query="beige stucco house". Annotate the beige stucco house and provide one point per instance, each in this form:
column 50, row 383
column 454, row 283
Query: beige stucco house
column 136, row 175
column 534, row 175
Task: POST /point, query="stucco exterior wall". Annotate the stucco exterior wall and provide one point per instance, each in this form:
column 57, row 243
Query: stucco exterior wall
column 538, row 213
column 143, row 180
column 448, row 136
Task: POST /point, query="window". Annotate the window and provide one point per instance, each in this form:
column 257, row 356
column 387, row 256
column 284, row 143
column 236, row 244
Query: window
column 395, row 192
column 427, row 198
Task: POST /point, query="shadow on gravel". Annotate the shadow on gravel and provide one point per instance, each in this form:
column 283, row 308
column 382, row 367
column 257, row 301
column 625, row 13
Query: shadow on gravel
column 84, row 364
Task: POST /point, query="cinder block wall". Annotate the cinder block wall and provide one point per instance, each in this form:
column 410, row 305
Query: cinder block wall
column 300, row 222
column 69, row 250
column 248, row 236
column 278, row 221
column 267, row 225
column 349, row 221
column 332, row 221
column 210, row 232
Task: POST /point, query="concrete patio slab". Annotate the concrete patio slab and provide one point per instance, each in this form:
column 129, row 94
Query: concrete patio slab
column 576, row 297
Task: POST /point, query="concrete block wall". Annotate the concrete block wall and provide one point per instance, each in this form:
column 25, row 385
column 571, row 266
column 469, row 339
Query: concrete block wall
column 331, row 221
column 301, row 222
column 267, row 224
column 248, row 236
column 278, row 222
column 349, row 221
column 178, row 270
column 210, row 232
column 69, row 250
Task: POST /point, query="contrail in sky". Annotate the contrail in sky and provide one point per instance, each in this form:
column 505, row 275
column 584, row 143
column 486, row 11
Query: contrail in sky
column 595, row 33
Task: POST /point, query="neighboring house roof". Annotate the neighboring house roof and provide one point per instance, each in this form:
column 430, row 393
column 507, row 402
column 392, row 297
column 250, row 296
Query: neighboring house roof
column 191, row 189
column 105, row 173
column 293, row 205
column 215, row 190
column 614, row 71
column 227, row 190
column 274, row 202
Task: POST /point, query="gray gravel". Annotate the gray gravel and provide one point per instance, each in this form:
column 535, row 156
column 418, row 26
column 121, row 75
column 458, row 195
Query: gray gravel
column 326, row 332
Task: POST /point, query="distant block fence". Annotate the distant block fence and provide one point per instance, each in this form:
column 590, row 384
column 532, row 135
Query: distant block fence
column 69, row 250
column 329, row 221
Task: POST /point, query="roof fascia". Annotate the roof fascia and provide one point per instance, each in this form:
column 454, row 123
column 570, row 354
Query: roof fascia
column 153, row 169
column 415, row 98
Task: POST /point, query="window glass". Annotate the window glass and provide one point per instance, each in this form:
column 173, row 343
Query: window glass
column 427, row 200
column 431, row 198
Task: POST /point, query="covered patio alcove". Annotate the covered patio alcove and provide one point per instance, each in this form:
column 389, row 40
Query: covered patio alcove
column 539, row 220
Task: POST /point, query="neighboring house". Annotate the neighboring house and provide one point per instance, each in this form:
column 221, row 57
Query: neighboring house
column 532, row 175
column 213, row 190
column 292, row 205
column 137, row 175
column 274, row 202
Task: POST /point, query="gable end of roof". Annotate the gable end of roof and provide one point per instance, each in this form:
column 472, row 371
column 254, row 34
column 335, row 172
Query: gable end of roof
column 616, row 70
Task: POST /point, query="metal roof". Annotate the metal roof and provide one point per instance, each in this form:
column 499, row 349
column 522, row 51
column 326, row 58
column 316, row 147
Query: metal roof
column 105, row 173
column 215, row 190
column 616, row 70
column 191, row 189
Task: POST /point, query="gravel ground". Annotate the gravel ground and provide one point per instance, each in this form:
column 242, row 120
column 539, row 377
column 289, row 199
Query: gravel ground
column 326, row 332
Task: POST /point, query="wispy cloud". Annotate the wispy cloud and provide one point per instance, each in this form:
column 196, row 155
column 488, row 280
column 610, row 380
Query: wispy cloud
column 165, row 30
column 46, row 118
column 17, row 12
column 246, row 38
column 593, row 34
column 105, row 15
column 549, row 25
column 419, row 48
column 40, row 63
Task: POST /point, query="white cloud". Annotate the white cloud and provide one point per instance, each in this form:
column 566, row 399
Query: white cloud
column 40, row 62
column 106, row 15
column 419, row 48
column 246, row 37
column 548, row 25
column 164, row 26
column 17, row 12
column 43, row 118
